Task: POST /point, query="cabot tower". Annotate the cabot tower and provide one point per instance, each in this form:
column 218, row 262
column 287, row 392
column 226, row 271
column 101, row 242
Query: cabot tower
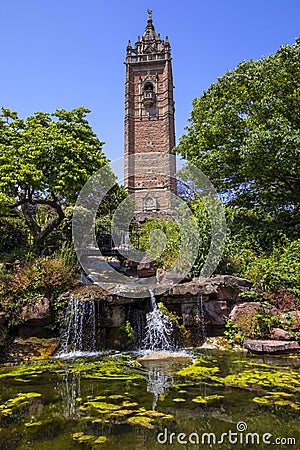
column 149, row 122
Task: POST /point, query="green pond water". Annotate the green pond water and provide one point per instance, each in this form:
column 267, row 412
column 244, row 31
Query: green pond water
column 220, row 400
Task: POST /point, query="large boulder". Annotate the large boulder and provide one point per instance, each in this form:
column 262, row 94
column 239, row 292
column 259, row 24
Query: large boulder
column 268, row 346
column 38, row 310
column 278, row 334
column 146, row 268
column 216, row 312
column 35, row 316
column 251, row 307
column 241, row 308
column 163, row 356
column 220, row 287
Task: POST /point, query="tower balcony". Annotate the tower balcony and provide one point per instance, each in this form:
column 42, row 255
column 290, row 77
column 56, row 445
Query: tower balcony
column 149, row 99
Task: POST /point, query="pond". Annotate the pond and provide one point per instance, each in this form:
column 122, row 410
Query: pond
column 220, row 400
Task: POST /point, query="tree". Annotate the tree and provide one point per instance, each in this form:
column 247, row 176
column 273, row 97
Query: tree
column 244, row 132
column 44, row 162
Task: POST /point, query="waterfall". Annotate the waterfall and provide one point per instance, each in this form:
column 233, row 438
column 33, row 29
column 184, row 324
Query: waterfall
column 137, row 319
column 158, row 330
column 79, row 326
column 200, row 319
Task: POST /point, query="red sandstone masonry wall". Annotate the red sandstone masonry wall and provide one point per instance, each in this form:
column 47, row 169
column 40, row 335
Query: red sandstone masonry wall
column 149, row 133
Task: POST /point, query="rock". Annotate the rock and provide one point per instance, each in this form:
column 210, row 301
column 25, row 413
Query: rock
column 167, row 277
column 279, row 334
column 268, row 346
column 163, row 356
column 250, row 307
column 240, row 308
column 112, row 316
column 146, row 268
column 91, row 292
column 229, row 287
column 39, row 310
column 217, row 343
column 220, row 287
column 35, row 317
column 216, row 311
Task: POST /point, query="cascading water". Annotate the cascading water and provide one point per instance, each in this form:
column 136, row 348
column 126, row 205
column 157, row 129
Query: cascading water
column 79, row 327
column 137, row 319
column 200, row 319
column 158, row 330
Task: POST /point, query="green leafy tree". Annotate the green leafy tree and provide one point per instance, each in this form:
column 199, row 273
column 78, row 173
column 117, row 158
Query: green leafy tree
column 161, row 239
column 44, row 162
column 244, row 132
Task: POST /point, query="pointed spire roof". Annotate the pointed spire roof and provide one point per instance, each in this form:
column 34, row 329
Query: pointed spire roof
column 150, row 46
column 149, row 33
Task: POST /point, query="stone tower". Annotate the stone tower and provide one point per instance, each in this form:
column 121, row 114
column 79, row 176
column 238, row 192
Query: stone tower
column 149, row 123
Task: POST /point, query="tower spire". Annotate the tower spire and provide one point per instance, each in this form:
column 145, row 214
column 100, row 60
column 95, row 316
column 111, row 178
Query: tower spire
column 149, row 33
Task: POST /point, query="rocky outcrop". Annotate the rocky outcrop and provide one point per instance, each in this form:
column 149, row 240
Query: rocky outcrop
column 146, row 268
column 268, row 346
column 163, row 356
column 36, row 310
column 250, row 308
column 278, row 334
column 220, row 287
column 213, row 295
column 35, row 316
column 195, row 302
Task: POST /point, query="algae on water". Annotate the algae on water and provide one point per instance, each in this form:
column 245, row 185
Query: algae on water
column 13, row 404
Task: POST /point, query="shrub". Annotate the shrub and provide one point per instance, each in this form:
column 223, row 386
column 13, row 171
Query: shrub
column 166, row 250
column 280, row 269
column 284, row 300
column 33, row 280
column 13, row 235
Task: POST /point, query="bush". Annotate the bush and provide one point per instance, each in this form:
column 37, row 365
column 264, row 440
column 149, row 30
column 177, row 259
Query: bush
column 13, row 235
column 165, row 251
column 278, row 269
column 284, row 300
column 33, row 280
column 281, row 269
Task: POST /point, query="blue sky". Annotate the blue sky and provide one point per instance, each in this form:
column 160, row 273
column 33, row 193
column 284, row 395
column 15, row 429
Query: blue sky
column 68, row 53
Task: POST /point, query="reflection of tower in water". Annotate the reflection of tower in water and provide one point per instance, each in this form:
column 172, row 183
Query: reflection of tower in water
column 158, row 381
column 69, row 389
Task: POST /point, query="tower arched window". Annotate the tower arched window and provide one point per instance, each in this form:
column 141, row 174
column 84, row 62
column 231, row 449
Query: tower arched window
column 148, row 87
column 148, row 94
